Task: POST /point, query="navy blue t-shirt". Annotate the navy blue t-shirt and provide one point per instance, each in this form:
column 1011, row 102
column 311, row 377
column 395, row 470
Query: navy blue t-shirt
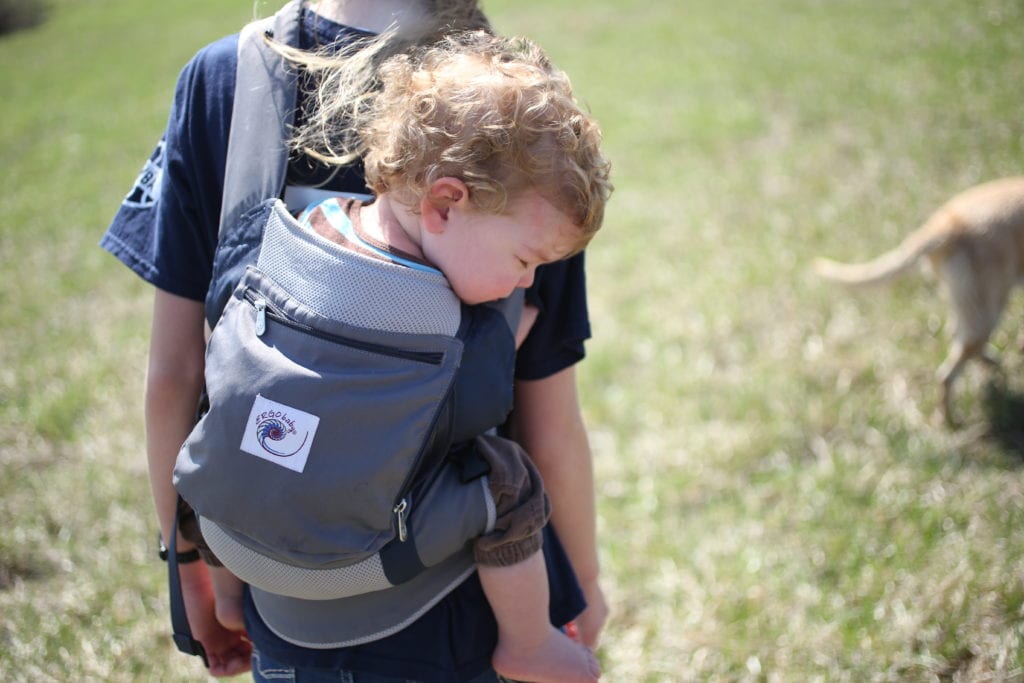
column 166, row 231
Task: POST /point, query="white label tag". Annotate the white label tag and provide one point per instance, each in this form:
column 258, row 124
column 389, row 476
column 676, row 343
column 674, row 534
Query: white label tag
column 279, row 433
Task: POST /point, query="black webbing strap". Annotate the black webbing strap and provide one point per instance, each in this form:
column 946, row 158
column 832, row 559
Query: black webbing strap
column 182, row 633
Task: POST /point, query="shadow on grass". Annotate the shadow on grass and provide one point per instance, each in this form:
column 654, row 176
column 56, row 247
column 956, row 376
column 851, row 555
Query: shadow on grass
column 25, row 568
column 16, row 15
column 1004, row 409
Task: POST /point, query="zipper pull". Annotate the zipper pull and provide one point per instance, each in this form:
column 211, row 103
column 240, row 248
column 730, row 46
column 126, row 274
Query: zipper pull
column 261, row 316
column 401, row 511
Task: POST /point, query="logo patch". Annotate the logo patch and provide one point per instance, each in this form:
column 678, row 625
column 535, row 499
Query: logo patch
column 280, row 434
column 146, row 190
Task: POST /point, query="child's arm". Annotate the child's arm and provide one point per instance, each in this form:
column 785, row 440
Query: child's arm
column 548, row 424
column 174, row 380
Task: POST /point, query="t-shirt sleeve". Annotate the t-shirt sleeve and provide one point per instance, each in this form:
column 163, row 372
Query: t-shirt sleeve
column 130, row 230
column 556, row 340
column 166, row 227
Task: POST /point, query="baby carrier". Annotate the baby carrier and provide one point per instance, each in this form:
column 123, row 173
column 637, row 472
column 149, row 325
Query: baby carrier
column 331, row 471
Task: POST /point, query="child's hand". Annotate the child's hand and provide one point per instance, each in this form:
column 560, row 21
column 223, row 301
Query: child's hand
column 591, row 622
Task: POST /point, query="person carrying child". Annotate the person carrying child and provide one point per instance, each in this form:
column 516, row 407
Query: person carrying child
column 484, row 168
column 166, row 232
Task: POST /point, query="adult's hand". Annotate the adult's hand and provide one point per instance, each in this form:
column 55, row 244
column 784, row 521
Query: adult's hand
column 228, row 653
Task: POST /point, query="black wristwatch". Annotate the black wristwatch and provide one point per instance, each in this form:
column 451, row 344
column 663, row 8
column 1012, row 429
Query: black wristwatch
column 182, row 558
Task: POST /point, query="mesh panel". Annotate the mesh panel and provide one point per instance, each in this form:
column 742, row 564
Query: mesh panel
column 285, row 579
column 352, row 288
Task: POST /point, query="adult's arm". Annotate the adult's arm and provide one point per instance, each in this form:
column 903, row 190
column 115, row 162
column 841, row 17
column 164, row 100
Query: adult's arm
column 174, row 380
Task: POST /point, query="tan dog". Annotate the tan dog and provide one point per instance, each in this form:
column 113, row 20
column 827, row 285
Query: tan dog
column 975, row 244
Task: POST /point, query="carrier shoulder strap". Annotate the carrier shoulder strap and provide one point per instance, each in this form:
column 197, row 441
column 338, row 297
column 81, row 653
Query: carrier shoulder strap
column 263, row 112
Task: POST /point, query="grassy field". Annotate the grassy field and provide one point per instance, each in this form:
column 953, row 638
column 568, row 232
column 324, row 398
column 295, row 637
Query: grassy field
column 777, row 501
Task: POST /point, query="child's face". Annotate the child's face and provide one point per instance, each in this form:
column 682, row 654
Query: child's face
column 486, row 256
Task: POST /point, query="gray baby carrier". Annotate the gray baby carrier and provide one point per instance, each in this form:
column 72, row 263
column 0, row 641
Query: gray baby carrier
column 333, row 470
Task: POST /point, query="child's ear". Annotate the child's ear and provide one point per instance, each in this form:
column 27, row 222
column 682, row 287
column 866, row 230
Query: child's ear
column 443, row 195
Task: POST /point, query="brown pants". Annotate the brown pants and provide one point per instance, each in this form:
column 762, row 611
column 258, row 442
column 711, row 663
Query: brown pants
column 522, row 506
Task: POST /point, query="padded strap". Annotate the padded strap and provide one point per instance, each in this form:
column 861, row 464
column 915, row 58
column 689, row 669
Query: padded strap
column 261, row 118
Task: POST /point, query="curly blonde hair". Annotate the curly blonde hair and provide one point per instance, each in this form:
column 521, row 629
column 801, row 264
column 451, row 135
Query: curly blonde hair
column 491, row 111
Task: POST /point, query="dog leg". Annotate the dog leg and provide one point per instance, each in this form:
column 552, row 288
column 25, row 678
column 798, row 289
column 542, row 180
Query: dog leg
column 959, row 354
column 947, row 374
column 976, row 308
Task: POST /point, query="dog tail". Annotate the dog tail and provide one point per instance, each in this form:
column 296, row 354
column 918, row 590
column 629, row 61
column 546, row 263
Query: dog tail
column 931, row 236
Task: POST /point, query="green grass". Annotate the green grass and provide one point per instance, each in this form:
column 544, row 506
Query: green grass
column 777, row 502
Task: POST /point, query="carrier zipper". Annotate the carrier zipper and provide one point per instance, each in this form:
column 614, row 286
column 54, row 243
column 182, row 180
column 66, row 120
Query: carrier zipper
column 403, row 508
column 265, row 309
column 417, row 468
column 261, row 316
column 401, row 512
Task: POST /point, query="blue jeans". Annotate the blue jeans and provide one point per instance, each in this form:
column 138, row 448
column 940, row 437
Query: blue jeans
column 266, row 670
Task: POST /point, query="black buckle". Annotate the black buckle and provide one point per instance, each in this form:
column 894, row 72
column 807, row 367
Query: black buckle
column 191, row 646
